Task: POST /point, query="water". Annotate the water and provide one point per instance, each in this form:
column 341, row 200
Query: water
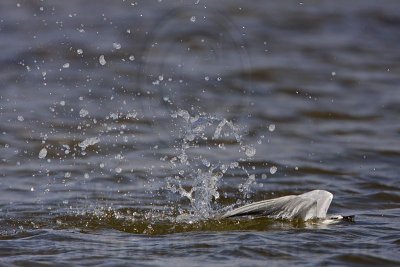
column 126, row 128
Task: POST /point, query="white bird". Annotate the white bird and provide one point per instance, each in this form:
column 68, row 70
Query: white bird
column 310, row 205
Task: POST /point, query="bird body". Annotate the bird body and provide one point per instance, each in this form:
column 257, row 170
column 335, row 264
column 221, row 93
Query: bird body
column 310, row 205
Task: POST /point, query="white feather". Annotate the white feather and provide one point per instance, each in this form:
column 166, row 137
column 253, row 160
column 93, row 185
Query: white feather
column 313, row 204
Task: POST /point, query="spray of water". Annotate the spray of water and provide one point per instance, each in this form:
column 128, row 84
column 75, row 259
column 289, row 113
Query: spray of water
column 197, row 175
column 204, row 175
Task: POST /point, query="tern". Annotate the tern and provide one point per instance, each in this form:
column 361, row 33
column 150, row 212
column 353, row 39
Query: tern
column 307, row 206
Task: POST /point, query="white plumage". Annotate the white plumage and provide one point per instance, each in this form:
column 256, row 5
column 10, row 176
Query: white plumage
column 310, row 205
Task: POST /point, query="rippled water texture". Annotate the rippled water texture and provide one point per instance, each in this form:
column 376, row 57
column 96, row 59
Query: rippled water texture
column 125, row 127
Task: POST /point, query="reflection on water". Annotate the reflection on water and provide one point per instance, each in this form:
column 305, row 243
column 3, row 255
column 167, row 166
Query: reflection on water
column 124, row 127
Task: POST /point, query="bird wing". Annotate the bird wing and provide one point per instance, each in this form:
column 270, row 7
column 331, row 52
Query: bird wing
column 323, row 199
column 313, row 204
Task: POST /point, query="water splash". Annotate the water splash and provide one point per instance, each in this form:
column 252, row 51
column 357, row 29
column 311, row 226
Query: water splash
column 198, row 158
column 204, row 175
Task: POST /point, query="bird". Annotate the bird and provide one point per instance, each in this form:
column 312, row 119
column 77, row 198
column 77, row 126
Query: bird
column 308, row 206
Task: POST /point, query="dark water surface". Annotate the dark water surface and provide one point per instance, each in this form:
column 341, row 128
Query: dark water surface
column 112, row 112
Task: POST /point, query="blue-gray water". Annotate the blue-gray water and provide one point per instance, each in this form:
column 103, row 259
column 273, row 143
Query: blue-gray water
column 237, row 101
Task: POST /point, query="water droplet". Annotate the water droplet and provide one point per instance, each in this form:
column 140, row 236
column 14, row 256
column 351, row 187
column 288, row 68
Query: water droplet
column 20, row 118
column 206, row 162
column 131, row 115
column 79, row 51
column 193, row 19
column 117, row 46
column 132, row 58
column 273, row 169
column 118, row 170
column 250, row 151
column 271, row 127
column 66, row 66
column 83, row 113
column 42, row 153
column 102, row 60
column 88, row 142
